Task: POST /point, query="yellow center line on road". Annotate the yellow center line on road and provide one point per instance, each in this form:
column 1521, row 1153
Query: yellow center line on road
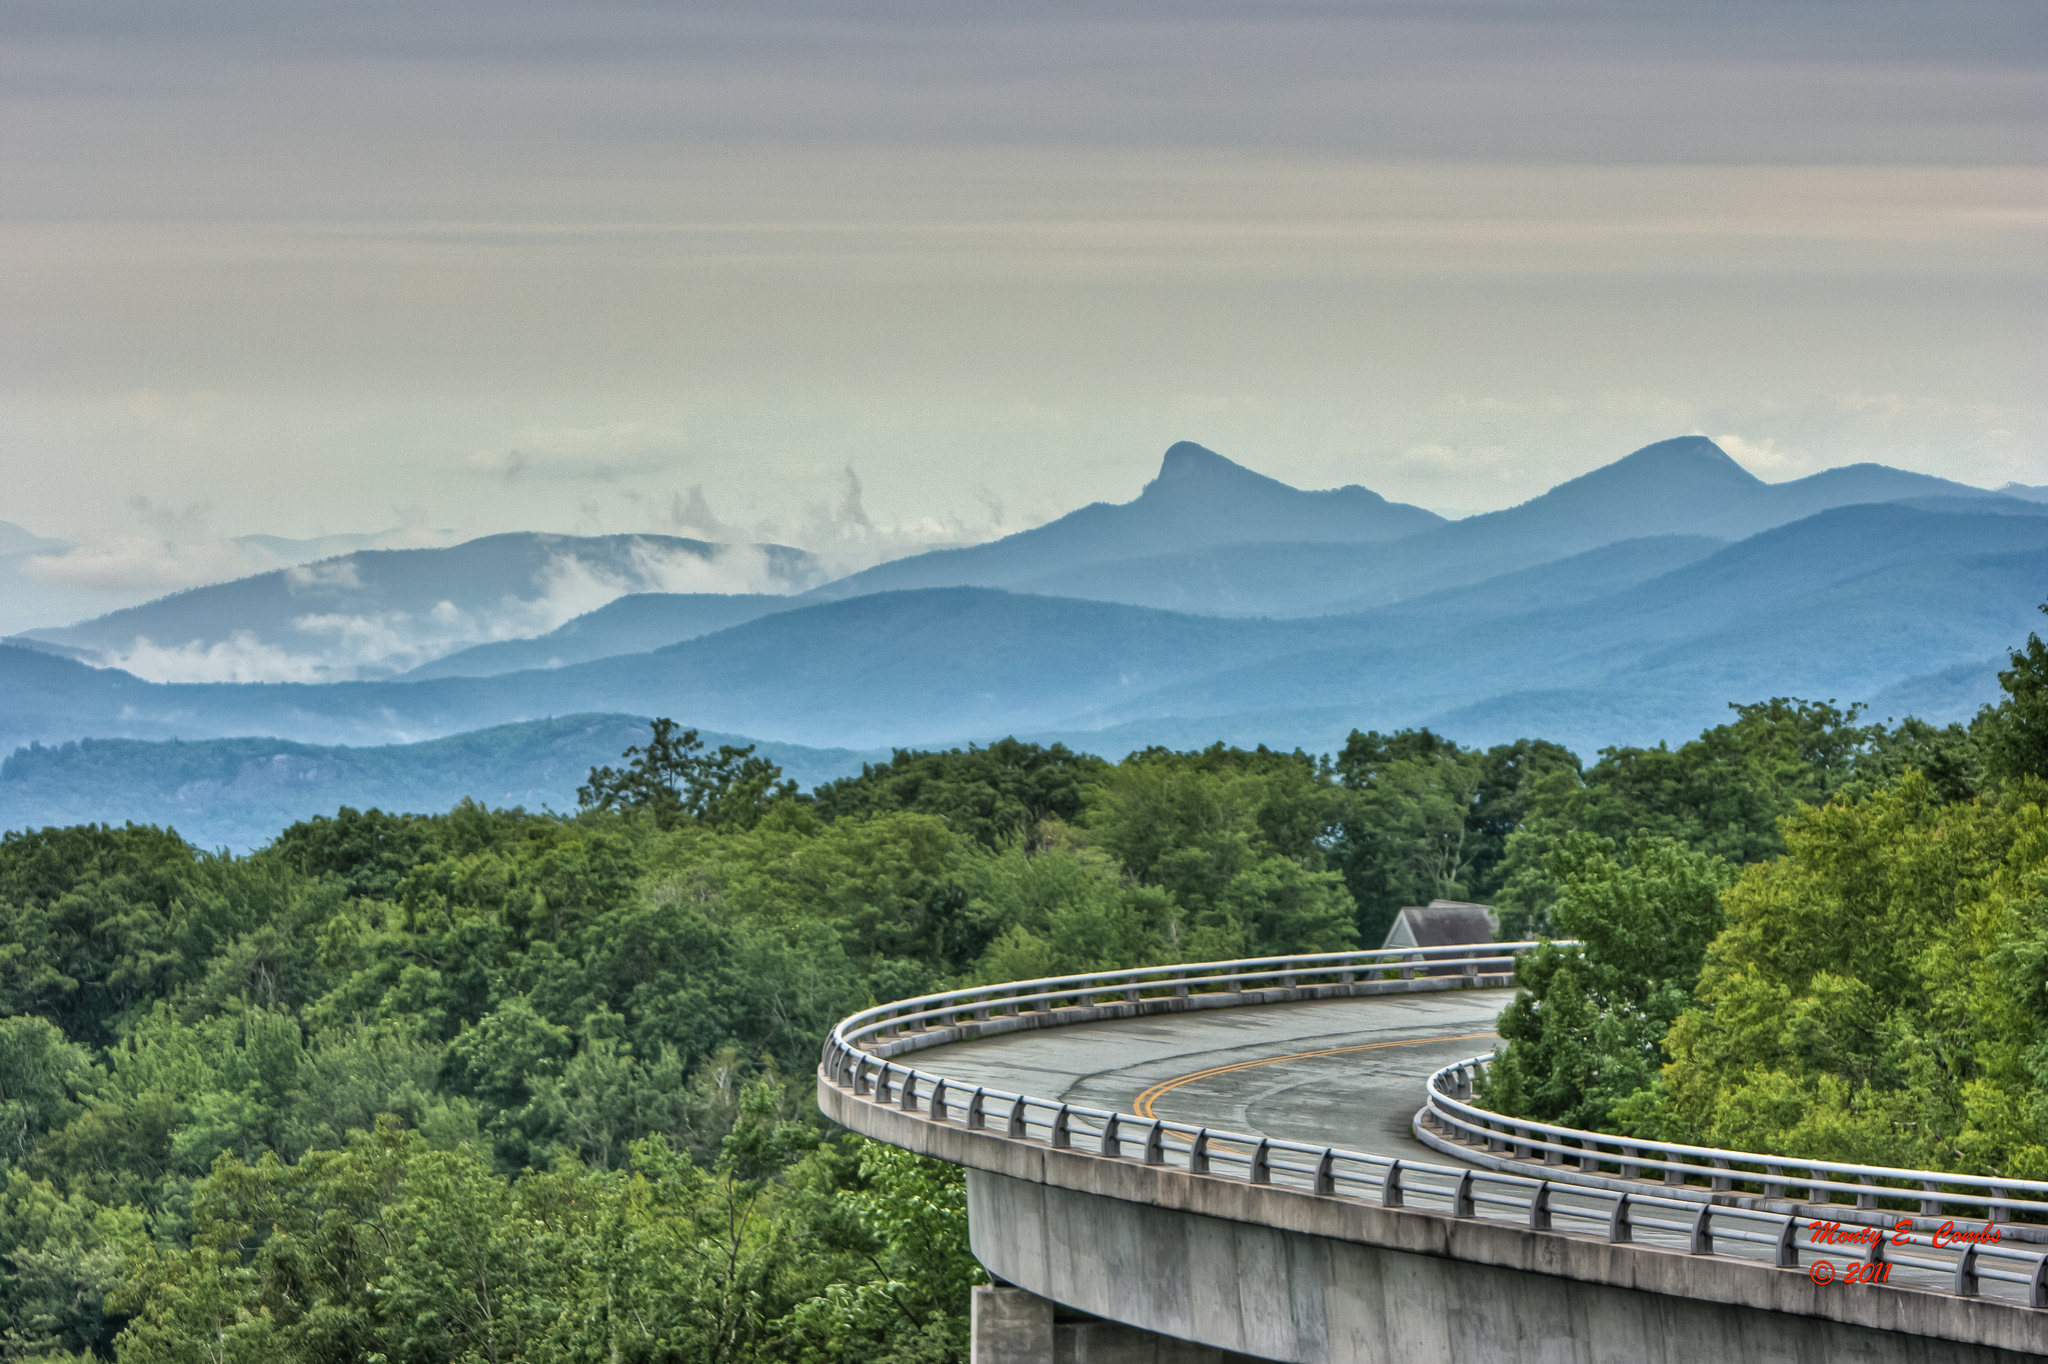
column 1143, row 1106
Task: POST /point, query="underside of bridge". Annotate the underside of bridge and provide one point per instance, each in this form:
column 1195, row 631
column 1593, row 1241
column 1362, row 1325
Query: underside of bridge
column 1203, row 1289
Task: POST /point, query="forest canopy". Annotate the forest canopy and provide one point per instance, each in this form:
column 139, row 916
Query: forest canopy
column 491, row 1084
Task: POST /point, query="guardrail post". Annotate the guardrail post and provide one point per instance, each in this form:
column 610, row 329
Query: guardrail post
column 908, row 1094
column 1774, row 1187
column 2037, row 1287
column 1461, row 1196
column 1701, row 1240
column 977, row 1119
column 1262, row 1163
column 1180, row 985
column 1722, row 1183
column 1999, row 1214
column 1863, row 1200
column 1016, row 1128
column 860, row 1076
column 1198, row 1153
column 1539, row 1208
column 1111, row 1145
column 1390, row 1187
column 1326, row 1174
column 1155, row 1144
column 1788, row 1244
column 1062, row 1136
column 1674, row 1173
column 1966, row 1271
column 1930, row 1207
column 1618, row 1228
column 1629, row 1168
column 1131, row 994
column 938, row 1101
column 1286, row 976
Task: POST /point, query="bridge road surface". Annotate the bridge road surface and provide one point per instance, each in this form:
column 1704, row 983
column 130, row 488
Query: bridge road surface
column 1247, row 1069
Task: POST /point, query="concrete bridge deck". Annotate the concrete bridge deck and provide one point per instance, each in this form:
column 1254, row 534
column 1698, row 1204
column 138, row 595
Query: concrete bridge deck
column 1228, row 1269
column 1334, row 1072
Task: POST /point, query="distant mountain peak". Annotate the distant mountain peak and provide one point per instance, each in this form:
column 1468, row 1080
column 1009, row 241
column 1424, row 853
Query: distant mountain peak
column 1692, row 455
column 1684, row 472
column 1189, row 467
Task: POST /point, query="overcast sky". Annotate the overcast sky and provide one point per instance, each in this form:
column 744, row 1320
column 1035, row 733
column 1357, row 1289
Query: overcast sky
column 309, row 268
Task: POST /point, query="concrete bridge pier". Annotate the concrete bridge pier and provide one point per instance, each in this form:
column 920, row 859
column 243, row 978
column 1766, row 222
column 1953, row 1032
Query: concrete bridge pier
column 1015, row 1326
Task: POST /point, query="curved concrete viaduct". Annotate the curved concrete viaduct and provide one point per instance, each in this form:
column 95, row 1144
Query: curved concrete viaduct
column 1138, row 1238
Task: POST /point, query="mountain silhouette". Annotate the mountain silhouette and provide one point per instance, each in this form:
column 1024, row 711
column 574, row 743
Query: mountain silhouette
column 1686, row 486
column 1628, row 643
column 1198, row 499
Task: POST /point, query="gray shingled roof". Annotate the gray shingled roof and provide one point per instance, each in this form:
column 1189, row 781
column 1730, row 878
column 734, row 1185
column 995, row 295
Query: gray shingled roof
column 1441, row 923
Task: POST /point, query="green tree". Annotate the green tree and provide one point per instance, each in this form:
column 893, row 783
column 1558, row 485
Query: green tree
column 992, row 795
column 674, row 779
column 1430, row 820
column 2014, row 733
column 1723, row 793
column 1066, row 908
column 1237, row 839
column 1878, row 995
column 1582, row 1034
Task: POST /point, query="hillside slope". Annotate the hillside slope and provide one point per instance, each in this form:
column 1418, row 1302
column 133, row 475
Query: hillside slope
column 633, row 624
column 375, row 613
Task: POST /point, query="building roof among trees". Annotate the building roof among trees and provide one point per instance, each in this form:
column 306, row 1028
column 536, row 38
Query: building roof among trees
column 1442, row 923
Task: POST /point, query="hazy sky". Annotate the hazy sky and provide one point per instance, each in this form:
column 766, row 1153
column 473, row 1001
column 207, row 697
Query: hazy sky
column 305, row 268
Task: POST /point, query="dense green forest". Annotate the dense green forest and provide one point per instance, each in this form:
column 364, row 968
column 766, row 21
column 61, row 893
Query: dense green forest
column 491, row 1085
column 1862, row 977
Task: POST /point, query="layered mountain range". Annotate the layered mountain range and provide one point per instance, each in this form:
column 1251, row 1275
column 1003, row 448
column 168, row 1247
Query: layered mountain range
column 1629, row 605
column 379, row 612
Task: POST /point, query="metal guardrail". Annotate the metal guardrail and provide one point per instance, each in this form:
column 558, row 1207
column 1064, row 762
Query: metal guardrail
column 1709, row 1221
column 1732, row 1176
column 981, row 1002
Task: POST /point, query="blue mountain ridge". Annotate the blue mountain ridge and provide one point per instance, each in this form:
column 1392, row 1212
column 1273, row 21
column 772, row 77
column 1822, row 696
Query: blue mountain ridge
column 1844, row 603
column 1687, row 486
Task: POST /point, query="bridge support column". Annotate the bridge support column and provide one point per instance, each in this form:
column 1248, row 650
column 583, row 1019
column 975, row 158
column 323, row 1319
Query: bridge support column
column 1014, row 1326
column 1009, row 1326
